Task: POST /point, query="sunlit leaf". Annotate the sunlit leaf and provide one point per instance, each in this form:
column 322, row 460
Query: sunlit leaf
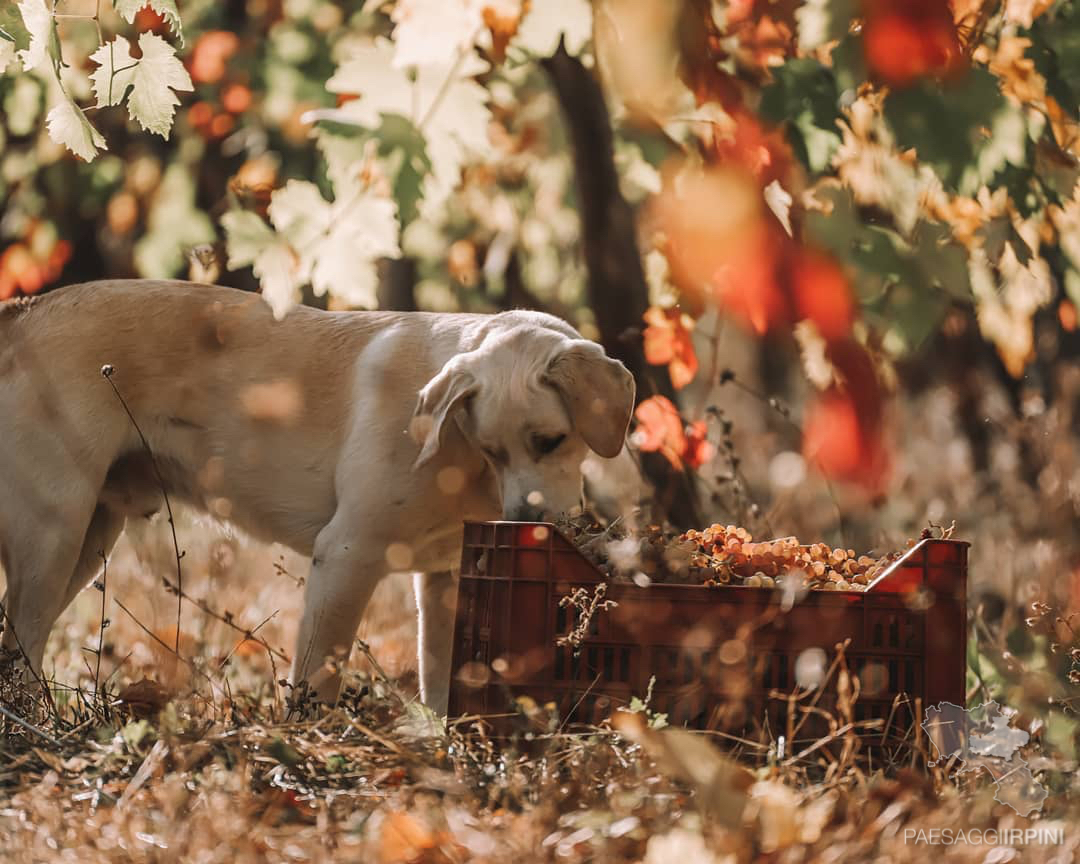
column 668, row 343
column 68, row 126
column 276, row 269
column 822, row 21
column 43, row 51
column 128, row 9
column 443, row 103
column 151, row 80
column 116, row 69
column 363, row 230
column 546, row 23
column 434, row 32
column 779, row 201
column 334, row 246
column 246, row 235
column 300, row 213
column 152, row 102
column 660, row 428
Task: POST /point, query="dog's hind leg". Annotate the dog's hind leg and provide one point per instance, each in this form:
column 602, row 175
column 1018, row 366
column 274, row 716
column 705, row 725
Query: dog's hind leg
column 436, row 601
column 39, row 565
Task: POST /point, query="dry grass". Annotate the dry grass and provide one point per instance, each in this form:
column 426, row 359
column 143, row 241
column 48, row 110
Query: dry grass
column 220, row 774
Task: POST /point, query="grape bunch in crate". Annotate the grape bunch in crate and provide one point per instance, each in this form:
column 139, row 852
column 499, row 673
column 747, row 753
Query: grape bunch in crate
column 724, row 555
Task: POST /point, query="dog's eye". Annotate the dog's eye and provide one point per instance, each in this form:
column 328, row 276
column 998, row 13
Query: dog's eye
column 545, row 444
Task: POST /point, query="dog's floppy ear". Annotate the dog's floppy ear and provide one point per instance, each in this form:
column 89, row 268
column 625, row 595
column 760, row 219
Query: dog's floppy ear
column 440, row 398
column 598, row 393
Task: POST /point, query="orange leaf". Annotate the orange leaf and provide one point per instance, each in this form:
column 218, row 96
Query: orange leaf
column 1067, row 315
column 699, row 450
column 907, row 40
column 822, row 294
column 502, row 19
column 831, row 437
column 753, row 147
column 668, row 343
column 403, row 838
column 746, row 285
column 660, row 428
column 844, row 431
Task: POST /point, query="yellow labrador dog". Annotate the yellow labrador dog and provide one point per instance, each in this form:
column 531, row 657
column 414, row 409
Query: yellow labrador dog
column 342, row 435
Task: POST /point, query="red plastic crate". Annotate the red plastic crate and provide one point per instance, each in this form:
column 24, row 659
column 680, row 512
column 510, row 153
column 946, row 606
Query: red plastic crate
column 908, row 635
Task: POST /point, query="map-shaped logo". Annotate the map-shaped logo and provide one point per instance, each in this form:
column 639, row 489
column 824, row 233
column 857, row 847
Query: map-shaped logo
column 981, row 738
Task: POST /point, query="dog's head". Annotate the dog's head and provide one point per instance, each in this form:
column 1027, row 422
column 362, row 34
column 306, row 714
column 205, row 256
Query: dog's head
column 532, row 401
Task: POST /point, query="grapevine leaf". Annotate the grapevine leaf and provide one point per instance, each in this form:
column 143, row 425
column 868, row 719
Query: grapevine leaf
column 343, row 148
column 1055, row 50
column 545, row 23
column 337, row 243
column 41, row 27
column 276, row 268
column 7, row 51
column 364, row 229
column 12, row 27
column 849, row 63
column 1006, row 144
column 68, row 126
column 150, row 79
column 300, row 213
column 333, row 245
column 246, row 236
column 903, row 286
column 115, row 72
column 250, row 241
column 152, row 101
column 443, row 102
column 804, row 95
column 433, row 32
column 401, row 147
column 944, row 123
column 401, row 142
column 368, row 72
column 128, row 9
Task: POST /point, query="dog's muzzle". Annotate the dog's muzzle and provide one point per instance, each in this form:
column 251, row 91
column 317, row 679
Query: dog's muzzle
column 526, row 512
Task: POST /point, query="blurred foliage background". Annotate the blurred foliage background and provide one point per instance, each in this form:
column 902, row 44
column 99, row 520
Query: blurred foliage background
column 838, row 241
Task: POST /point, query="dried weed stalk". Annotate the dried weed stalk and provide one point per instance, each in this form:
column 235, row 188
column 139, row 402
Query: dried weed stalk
column 587, row 605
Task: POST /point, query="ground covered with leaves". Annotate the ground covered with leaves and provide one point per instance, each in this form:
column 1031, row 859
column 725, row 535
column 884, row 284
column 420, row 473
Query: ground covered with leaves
column 204, row 760
column 380, row 780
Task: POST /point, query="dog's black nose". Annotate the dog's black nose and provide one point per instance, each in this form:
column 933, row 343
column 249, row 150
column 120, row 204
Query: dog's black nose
column 526, row 513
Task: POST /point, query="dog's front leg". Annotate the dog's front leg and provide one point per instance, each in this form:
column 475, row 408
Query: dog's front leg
column 436, row 601
column 343, row 577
